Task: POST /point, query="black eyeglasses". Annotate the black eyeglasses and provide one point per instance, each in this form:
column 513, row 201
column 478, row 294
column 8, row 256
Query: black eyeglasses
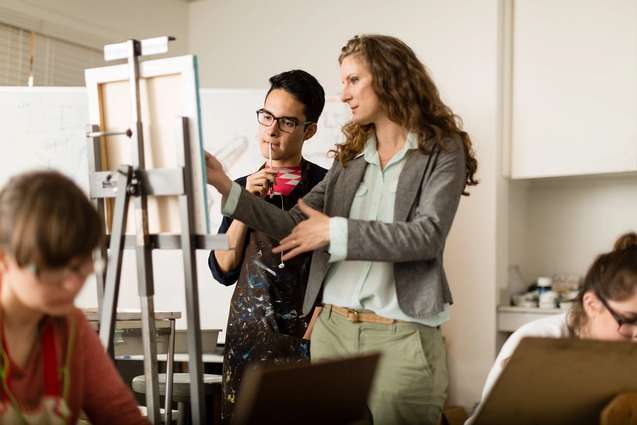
column 625, row 327
column 285, row 124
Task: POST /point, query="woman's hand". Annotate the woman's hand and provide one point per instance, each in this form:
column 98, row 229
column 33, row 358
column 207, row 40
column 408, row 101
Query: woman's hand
column 310, row 234
column 216, row 175
column 259, row 182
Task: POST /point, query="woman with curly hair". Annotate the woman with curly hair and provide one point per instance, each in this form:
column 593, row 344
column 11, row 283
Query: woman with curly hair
column 377, row 226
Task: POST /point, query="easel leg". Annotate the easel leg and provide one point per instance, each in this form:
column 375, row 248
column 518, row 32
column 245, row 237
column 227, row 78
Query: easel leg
column 94, row 164
column 170, row 360
column 186, row 208
column 146, row 289
column 108, row 307
column 149, row 339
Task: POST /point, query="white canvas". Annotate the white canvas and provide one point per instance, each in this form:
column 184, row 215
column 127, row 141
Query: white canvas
column 168, row 89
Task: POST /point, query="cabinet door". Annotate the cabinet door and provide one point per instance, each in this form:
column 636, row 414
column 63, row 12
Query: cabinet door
column 574, row 87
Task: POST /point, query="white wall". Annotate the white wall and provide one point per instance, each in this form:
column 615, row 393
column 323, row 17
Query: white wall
column 95, row 22
column 570, row 221
column 241, row 43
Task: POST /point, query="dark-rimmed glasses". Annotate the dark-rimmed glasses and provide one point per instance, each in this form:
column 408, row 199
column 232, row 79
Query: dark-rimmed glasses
column 285, row 124
column 625, row 327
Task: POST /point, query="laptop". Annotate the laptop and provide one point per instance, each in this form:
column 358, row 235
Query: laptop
column 551, row 381
column 331, row 392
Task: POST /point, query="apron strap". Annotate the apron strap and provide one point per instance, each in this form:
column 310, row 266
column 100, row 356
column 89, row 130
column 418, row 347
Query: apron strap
column 52, row 373
column 50, row 361
column 4, row 368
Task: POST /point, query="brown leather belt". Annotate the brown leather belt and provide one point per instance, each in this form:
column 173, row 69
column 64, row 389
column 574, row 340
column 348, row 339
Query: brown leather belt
column 360, row 316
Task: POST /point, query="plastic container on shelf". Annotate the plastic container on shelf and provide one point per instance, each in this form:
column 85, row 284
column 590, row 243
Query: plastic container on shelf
column 546, row 297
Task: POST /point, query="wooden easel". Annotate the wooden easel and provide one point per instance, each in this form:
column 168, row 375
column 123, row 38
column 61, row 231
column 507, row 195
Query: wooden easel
column 134, row 181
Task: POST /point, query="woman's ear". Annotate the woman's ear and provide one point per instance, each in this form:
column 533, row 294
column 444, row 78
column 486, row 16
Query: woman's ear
column 592, row 305
column 3, row 261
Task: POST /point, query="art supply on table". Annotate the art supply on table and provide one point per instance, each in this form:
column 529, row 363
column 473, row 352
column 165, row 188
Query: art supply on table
column 517, row 283
column 525, row 300
column 546, row 296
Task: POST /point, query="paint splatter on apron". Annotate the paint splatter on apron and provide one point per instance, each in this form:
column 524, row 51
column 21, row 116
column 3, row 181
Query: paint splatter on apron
column 266, row 321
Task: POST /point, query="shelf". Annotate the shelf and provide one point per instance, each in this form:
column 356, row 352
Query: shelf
column 532, row 310
column 510, row 318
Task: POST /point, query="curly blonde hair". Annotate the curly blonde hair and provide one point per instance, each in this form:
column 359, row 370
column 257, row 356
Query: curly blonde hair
column 408, row 96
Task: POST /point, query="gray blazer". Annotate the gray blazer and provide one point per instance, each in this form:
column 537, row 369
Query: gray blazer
column 427, row 197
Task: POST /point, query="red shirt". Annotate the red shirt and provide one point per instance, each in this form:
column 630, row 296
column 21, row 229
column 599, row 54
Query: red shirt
column 95, row 385
column 287, row 178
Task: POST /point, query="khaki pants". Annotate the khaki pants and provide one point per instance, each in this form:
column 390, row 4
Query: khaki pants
column 411, row 382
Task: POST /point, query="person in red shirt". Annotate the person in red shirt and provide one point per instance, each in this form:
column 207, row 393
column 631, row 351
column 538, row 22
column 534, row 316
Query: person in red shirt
column 52, row 364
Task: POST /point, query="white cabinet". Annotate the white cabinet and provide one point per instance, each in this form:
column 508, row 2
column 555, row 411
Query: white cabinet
column 574, row 87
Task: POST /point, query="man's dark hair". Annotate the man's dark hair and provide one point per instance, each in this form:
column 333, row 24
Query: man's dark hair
column 305, row 88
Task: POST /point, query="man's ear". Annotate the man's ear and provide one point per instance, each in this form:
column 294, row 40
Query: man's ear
column 310, row 131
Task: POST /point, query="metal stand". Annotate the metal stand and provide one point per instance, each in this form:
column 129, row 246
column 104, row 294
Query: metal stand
column 134, row 181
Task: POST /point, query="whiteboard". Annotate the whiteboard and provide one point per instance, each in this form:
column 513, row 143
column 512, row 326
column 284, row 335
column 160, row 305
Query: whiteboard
column 45, row 127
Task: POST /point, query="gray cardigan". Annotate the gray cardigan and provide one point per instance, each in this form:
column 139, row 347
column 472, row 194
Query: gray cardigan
column 427, row 197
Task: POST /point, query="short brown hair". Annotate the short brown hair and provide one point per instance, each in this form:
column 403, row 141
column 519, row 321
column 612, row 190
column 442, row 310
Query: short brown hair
column 46, row 220
column 612, row 275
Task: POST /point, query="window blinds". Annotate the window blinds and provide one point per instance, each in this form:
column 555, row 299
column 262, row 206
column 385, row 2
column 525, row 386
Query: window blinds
column 55, row 62
column 14, row 56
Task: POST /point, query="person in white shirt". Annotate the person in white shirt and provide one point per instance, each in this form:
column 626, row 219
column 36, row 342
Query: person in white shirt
column 605, row 308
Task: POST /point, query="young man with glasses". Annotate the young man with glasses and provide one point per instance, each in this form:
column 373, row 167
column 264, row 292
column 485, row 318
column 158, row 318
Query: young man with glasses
column 266, row 321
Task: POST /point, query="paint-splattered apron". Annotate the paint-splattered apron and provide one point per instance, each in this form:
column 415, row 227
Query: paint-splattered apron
column 266, row 321
column 53, row 409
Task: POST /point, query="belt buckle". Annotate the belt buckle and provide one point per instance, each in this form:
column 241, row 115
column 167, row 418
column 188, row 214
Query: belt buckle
column 355, row 317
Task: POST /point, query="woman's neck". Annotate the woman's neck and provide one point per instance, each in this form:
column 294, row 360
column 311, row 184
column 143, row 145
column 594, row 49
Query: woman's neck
column 389, row 135
column 16, row 317
column 390, row 138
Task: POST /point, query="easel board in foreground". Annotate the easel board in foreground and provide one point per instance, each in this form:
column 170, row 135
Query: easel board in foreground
column 553, row 381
